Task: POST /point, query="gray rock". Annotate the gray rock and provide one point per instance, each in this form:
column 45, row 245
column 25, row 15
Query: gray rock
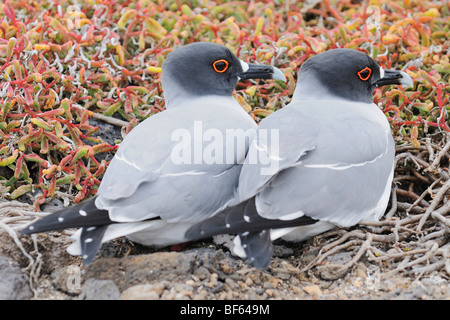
column 67, row 279
column 225, row 240
column 282, row 251
column 142, row 268
column 14, row 284
column 108, row 132
column 94, row 289
column 340, row 258
column 53, row 206
column 145, row 291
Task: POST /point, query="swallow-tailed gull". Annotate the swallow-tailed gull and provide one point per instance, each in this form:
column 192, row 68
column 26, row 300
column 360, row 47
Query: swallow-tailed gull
column 179, row 166
column 325, row 160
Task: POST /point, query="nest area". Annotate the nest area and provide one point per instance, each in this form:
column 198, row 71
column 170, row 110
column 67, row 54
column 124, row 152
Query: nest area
column 412, row 237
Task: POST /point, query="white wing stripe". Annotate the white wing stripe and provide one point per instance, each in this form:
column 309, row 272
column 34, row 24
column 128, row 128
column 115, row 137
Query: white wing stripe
column 189, row 173
column 121, row 158
column 343, row 166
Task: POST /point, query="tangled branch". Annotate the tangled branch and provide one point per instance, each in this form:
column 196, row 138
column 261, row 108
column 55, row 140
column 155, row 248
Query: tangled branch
column 413, row 236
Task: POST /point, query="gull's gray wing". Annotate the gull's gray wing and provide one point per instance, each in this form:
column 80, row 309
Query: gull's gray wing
column 280, row 143
column 323, row 151
column 146, row 179
column 324, row 165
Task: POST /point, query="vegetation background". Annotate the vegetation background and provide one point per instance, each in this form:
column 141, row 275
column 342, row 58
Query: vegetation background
column 75, row 77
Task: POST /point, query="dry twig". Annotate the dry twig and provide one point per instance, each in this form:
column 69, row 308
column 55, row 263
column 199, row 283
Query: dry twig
column 413, row 236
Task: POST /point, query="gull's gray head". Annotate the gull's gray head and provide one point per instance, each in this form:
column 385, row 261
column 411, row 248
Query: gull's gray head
column 205, row 68
column 346, row 74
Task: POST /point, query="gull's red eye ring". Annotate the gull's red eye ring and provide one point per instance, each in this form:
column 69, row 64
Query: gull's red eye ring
column 365, row 74
column 220, row 66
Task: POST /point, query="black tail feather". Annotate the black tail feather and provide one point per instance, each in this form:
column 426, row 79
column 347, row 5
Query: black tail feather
column 84, row 214
column 240, row 219
column 253, row 230
column 258, row 248
column 90, row 241
column 217, row 224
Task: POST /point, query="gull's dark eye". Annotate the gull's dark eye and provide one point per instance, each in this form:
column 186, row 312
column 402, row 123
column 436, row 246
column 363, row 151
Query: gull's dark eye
column 365, row 74
column 220, row 66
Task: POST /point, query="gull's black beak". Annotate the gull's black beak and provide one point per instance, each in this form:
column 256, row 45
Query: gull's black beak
column 394, row 77
column 257, row 71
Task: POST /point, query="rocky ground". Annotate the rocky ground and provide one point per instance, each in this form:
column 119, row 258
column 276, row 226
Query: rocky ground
column 39, row 268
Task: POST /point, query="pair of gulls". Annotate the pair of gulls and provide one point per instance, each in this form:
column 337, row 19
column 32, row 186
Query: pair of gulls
column 328, row 159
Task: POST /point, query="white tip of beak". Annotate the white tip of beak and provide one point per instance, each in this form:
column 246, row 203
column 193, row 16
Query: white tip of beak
column 244, row 66
column 406, row 80
column 278, row 75
column 381, row 72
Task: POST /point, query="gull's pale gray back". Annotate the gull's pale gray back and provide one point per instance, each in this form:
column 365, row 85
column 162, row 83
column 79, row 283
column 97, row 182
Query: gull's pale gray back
column 145, row 181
